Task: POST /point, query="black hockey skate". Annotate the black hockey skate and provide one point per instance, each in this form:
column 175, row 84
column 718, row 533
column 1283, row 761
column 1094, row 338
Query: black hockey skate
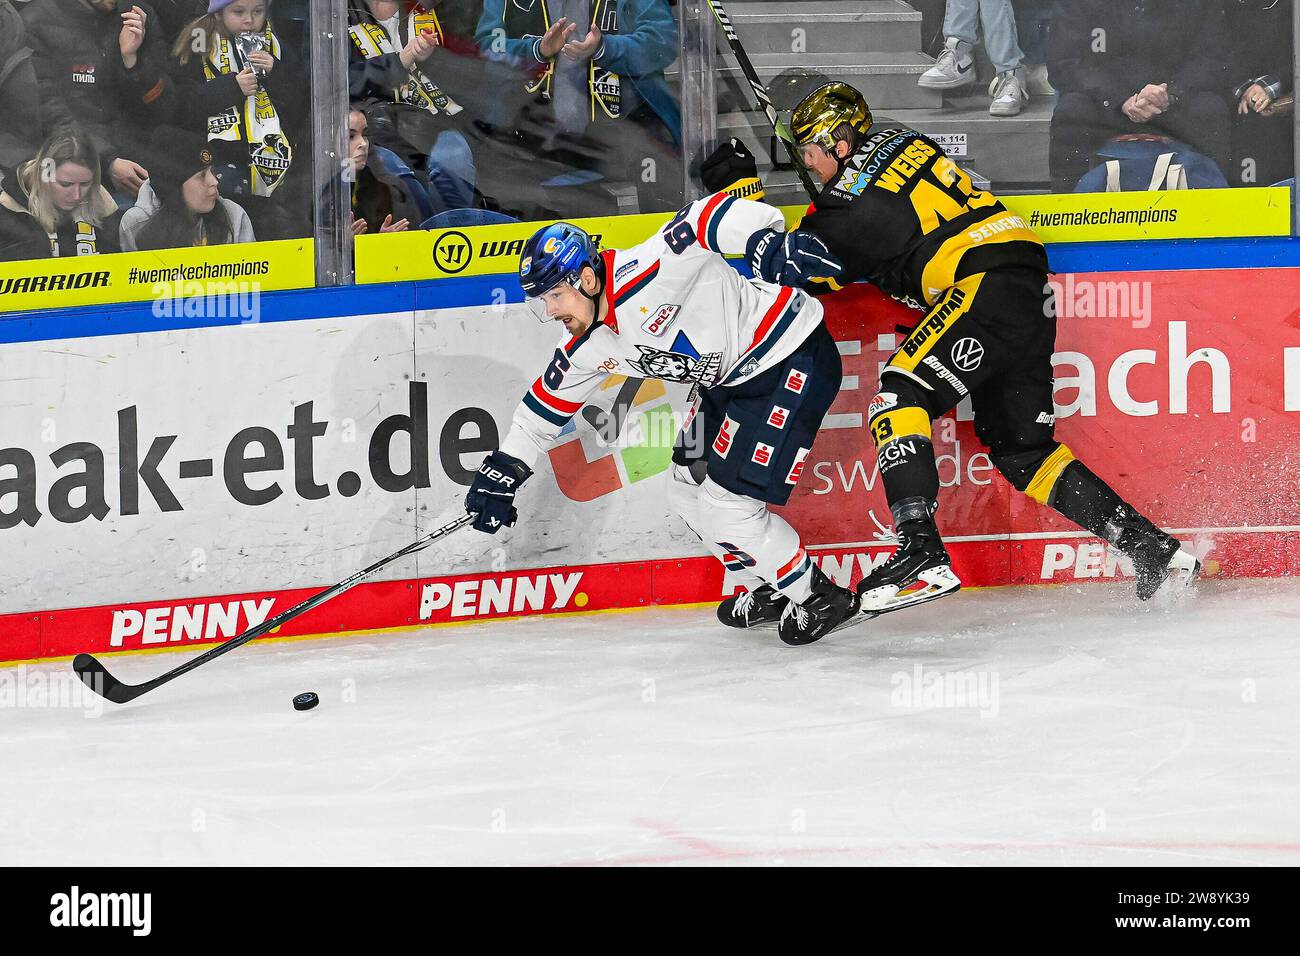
column 918, row 571
column 1157, row 557
column 763, row 605
column 827, row 608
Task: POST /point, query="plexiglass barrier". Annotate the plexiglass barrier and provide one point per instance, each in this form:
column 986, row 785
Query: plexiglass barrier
column 253, row 141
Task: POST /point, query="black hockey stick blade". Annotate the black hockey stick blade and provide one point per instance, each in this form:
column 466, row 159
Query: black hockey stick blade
column 95, row 676
column 764, row 99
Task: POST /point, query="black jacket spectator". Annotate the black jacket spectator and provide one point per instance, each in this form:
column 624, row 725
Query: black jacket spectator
column 1260, row 36
column 39, row 220
column 21, row 125
column 84, row 83
column 1102, row 53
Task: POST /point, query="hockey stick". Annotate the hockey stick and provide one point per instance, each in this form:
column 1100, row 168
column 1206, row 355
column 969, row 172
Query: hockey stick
column 760, row 94
column 94, row 675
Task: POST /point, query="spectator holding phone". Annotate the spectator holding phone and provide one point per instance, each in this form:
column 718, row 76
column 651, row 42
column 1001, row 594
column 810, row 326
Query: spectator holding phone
column 1261, row 80
column 55, row 204
column 101, row 66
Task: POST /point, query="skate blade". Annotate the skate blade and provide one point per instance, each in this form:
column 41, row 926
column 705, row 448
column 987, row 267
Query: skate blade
column 1183, row 571
column 935, row 583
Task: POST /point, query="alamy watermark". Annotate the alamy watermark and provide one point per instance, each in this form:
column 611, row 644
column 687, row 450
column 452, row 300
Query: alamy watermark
column 1077, row 298
column 208, row 300
column 935, row 689
column 39, row 688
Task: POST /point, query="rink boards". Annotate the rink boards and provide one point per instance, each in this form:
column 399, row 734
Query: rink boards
column 168, row 486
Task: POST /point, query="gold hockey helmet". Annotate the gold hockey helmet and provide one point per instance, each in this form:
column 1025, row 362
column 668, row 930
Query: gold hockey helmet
column 824, row 110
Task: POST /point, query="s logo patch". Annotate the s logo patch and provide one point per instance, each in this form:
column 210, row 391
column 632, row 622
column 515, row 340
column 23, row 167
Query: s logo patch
column 797, row 468
column 726, row 434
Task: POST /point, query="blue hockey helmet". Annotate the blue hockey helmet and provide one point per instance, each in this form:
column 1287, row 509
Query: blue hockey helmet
column 557, row 253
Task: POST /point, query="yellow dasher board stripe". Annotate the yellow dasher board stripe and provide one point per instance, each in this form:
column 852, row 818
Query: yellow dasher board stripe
column 489, row 250
column 167, row 277
column 1079, row 217
column 1177, row 214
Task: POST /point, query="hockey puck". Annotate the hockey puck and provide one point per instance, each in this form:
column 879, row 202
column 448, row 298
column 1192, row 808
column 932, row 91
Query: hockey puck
column 305, row 701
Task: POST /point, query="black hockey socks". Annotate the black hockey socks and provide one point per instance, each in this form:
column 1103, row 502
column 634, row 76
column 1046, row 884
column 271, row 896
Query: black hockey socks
column 1086, row 500
column 904, row 452
column 1092, row 504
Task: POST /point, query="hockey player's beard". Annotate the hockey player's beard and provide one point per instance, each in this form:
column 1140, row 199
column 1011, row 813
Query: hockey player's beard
column 576, row 325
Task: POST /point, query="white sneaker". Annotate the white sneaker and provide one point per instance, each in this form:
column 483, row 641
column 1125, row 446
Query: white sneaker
column 954, row 69
column 1037, row 82
column 1008, row 92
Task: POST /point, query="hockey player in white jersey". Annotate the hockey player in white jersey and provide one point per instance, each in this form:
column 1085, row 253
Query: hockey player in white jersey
column 765, row 371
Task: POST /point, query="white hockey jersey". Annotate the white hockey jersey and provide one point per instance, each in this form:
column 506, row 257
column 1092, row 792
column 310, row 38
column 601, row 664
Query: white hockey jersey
column 677, row 312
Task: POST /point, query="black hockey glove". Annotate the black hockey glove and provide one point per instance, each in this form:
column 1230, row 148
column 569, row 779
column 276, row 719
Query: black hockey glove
column 492, row 493
column 731, row 168
column 790, row 258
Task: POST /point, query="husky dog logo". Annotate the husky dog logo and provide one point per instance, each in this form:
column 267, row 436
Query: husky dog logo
column 676, row 367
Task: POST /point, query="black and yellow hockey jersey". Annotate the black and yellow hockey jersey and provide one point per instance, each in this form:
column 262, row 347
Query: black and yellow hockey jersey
column 904, row 217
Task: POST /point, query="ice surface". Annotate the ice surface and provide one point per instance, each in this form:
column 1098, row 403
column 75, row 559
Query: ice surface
column 1112, row 735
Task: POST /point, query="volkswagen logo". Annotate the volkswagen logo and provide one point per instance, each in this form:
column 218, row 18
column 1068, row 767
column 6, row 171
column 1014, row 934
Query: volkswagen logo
column 967, row 354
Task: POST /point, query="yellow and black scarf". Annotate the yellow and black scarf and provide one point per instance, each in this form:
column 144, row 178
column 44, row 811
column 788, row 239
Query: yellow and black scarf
column 605, row 85
column 255, row 122
column 372, row 40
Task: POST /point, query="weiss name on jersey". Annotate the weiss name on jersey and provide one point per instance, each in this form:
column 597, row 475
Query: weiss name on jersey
column 676, row 312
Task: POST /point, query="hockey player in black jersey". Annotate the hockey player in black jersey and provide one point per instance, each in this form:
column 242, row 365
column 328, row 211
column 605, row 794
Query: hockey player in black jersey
column 895, row 211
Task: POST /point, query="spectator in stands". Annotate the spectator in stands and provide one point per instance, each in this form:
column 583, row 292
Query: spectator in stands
column 22, row 129
column 249, row 92
column 56, row 205
column 180, row 205
column 174, row 15
column 103, row 71
column 1261, row 80
column 963, row 21
column 599, row 69
column 1033, row 24
column 392, row 64
column 381, row 202
column 1147, row 68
